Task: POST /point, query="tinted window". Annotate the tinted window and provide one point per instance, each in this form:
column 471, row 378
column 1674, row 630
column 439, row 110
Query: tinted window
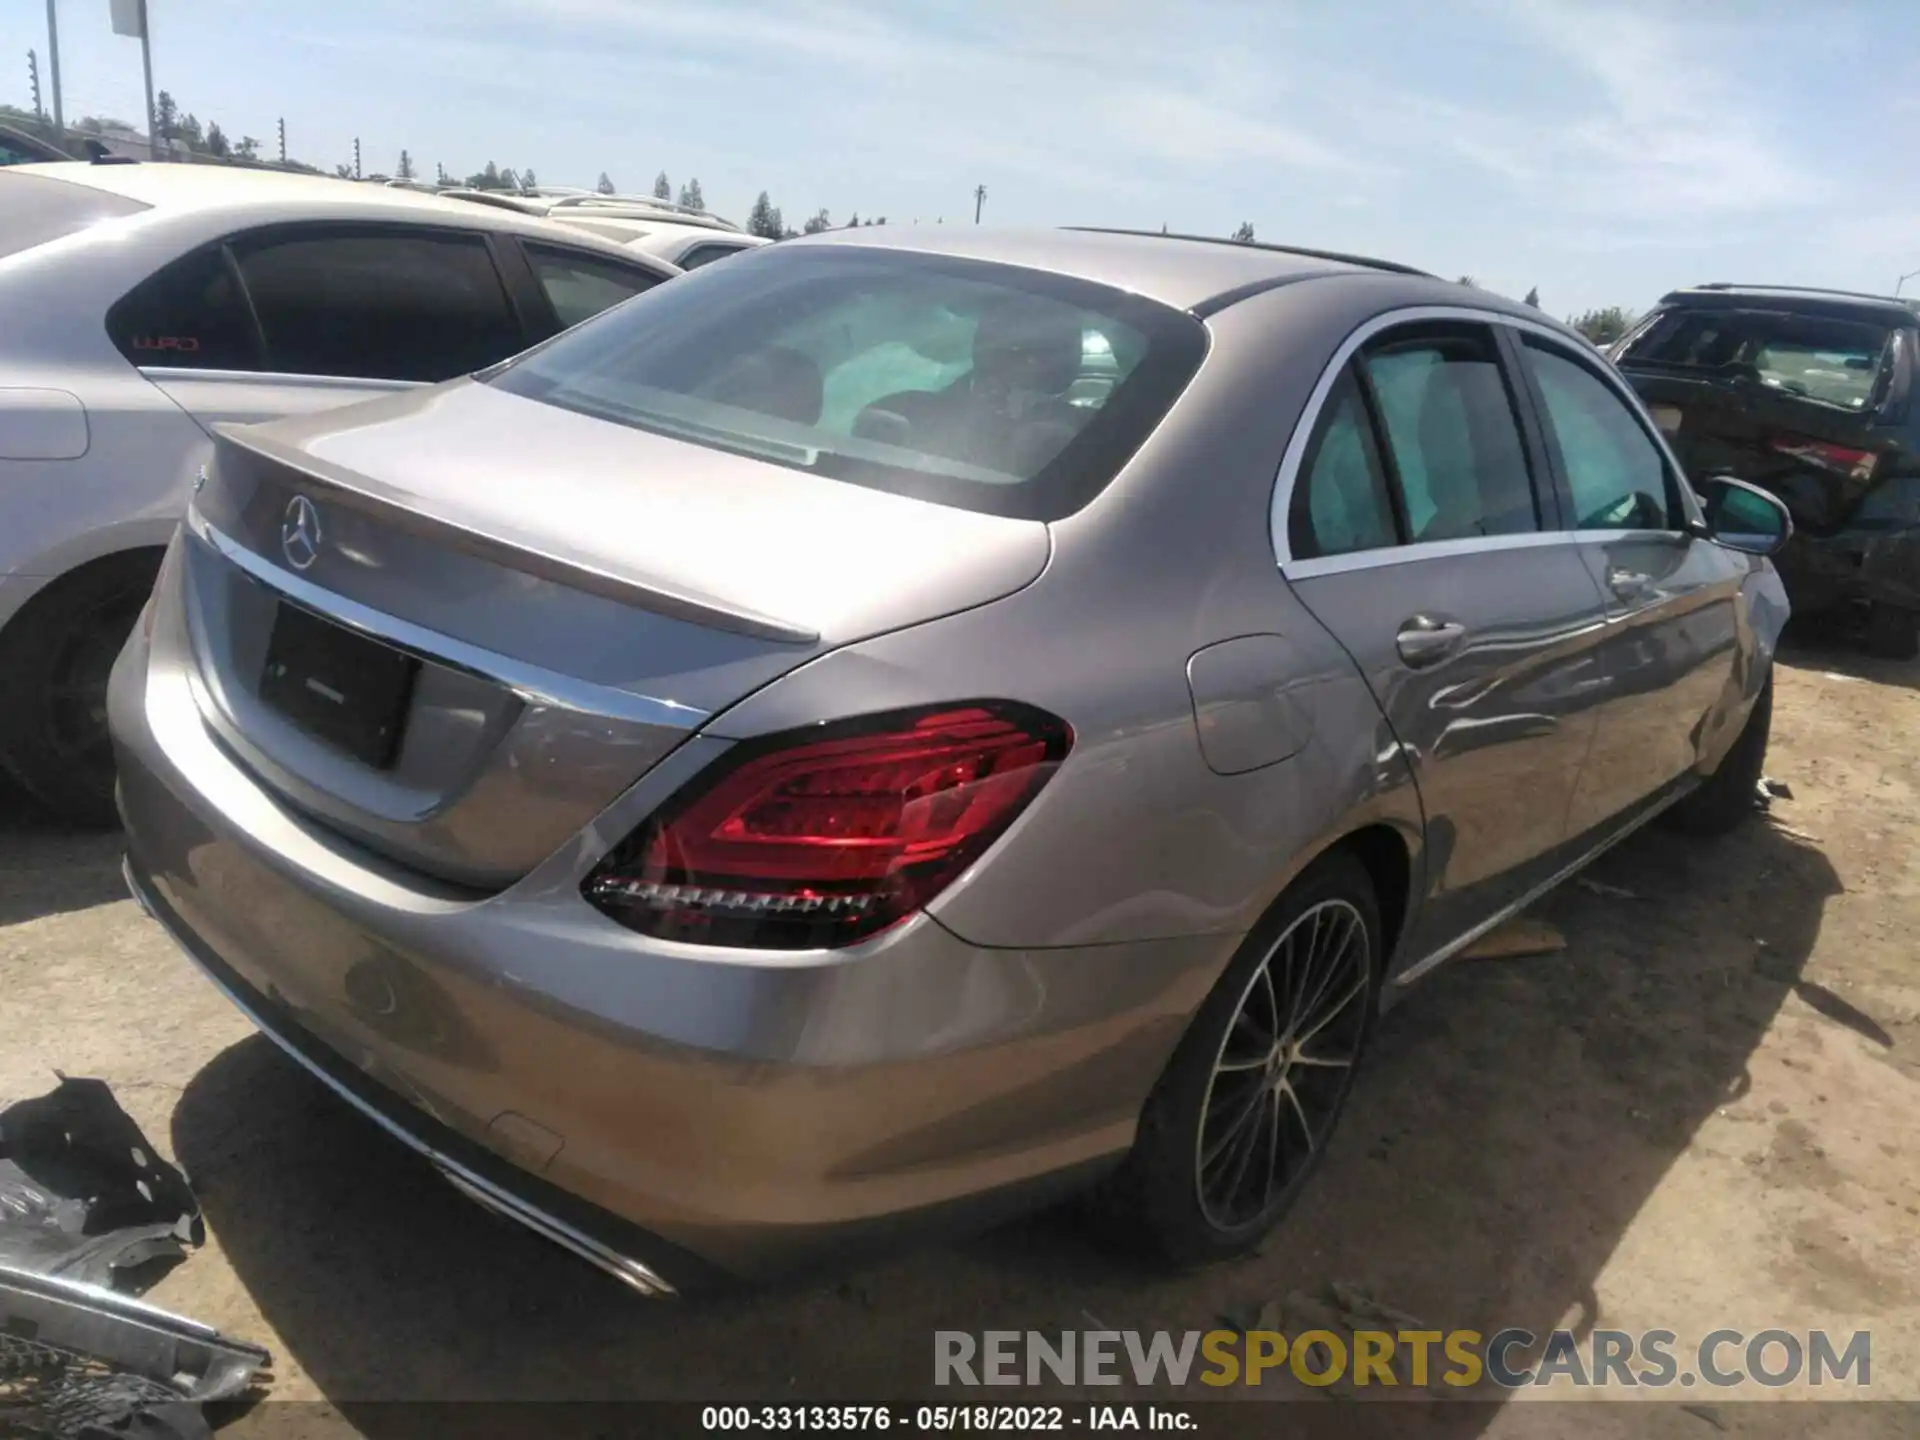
column 581, row 286
column 946, row 379
column 1340, row 502
column 707, row 254
column 381, row 305
column 1816, row 357
column 35, row 210
column 1616, row 474
column 1450, row 428
column 189, row 315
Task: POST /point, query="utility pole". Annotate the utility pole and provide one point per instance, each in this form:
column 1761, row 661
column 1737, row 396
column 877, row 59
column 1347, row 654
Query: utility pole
column 53, row 66
column 356, row 157
column 282, row 123
column 979, row 199
column 33, row 80
column 129, row 18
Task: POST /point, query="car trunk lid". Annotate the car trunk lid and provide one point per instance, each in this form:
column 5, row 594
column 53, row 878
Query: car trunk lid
column 457, row 624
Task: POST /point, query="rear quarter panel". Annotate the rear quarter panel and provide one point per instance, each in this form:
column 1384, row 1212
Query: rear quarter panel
column 1136, row 837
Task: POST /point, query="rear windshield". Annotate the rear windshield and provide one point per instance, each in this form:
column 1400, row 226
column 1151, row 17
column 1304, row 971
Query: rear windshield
column 35, row 209
column 1815, row 356
column 983, row 386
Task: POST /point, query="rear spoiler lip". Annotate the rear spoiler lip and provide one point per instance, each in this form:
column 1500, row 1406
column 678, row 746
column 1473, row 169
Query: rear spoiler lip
column 360, row 492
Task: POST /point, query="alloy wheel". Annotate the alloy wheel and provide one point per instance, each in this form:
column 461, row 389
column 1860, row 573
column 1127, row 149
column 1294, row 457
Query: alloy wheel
column 1282, row 1069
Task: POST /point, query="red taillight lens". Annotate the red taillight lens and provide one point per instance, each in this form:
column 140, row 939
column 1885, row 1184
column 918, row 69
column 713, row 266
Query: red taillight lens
column 1840, row 459
column 823, row 836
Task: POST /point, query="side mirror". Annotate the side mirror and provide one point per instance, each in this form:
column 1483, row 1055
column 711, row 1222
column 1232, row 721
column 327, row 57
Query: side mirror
column 1743, row 517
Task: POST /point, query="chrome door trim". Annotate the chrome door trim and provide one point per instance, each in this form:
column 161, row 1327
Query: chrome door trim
column 474, row 1186
column 1295, row 455
column 531, row 683
column 1507, row 912
column 1425, row 550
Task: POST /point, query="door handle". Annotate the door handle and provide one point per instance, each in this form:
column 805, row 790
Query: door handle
column 1628, row 584
column 1425, row 641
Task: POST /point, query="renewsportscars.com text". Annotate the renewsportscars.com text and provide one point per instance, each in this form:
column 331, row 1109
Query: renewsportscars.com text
column 1509, row 1358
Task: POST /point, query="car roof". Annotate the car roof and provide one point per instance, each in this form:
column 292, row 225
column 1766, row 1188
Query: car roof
column 628, row 228
column 258, row 194
column 1839, row 304
column 1189, row 272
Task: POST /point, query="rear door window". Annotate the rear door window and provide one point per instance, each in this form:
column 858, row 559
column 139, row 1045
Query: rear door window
column 188, row 315
column 378, row 304
column 580, row 286
column 1341, row 502
column 35, row 209
column 1451, row 433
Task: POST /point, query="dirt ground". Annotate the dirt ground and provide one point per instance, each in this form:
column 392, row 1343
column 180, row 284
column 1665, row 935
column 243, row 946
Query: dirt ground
column 1705, row 1112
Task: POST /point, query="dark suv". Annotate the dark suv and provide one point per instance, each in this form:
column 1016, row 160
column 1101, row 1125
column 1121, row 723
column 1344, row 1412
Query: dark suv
column 1809, row 394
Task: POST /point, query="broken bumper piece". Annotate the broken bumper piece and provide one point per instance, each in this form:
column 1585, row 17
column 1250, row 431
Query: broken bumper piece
column 76, row 1359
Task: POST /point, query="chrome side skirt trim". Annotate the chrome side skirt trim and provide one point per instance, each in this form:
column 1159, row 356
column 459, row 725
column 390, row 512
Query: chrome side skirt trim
column 1500, row 917
column 623, row 1268
column 532, row 684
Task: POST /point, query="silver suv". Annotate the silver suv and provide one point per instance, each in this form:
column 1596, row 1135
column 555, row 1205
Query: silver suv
column 794, row 758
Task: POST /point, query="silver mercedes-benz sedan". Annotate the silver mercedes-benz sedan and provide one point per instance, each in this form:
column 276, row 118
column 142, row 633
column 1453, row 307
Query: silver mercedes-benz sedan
column 905, row 724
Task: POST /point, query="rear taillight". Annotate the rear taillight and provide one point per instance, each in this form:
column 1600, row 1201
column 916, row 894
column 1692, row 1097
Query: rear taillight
column 1839, row 459
column 823, row 836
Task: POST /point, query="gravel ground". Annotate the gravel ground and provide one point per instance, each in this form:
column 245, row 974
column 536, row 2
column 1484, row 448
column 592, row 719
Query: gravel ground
column 1702, row 1113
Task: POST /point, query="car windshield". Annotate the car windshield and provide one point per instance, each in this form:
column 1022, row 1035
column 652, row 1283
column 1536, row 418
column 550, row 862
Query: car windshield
column 1813, row 356
column 984, row 386
column 36, row 209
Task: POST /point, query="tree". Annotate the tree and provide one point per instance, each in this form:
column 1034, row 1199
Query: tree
column 605, row 187
column 527, row 182
column 247, row 149
column 343, row 171
column 1603, row 327
column 691, row 197
column 818, row 223
column 508, row 180
column 1469, row 282
column 217, row 140
column 487, row 179
column 1245, row 233
column 405, row 171
column 188, row 129
column 853, row 221
column 1533, row 297
column 764, row 219
column 662, row 187
column 165, row 116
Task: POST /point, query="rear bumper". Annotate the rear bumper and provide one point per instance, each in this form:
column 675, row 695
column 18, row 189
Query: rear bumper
column 678, row 1114
column 593, row 1234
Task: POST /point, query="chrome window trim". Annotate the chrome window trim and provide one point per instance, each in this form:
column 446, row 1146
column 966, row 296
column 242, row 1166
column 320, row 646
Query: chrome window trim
column 1288, row 475
column 531, row 683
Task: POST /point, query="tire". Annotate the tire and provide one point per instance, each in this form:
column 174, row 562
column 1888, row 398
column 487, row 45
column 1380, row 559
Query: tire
column 1892, row 632
column 55, row 656
column 1726, row 798
column 1172, row 1197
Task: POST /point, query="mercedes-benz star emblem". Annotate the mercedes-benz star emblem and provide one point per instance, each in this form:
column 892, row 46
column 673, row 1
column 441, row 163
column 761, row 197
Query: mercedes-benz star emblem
column 300, row 532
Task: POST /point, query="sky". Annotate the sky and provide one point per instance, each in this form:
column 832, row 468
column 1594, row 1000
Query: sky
column 1602, row 150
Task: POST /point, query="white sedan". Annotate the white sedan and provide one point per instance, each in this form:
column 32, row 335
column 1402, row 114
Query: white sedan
column 147, row 303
